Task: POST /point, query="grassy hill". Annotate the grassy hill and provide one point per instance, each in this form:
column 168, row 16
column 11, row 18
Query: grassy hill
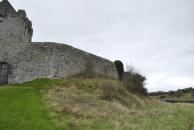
column 86, row 104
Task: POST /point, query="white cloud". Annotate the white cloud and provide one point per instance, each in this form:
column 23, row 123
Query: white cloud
column 166, row 83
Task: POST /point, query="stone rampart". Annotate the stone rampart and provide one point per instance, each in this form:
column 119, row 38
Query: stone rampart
column 28, row 61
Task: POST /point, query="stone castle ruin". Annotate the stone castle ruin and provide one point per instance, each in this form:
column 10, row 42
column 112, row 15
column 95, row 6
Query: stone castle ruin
column 22, row 60
column 14, row 25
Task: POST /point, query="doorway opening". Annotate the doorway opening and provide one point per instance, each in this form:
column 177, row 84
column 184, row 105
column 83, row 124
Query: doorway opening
column 3, row 73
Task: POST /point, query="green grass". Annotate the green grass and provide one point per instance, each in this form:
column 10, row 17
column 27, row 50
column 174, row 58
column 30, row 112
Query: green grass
column 21, row 108
column 163, row 117
column 87, row 104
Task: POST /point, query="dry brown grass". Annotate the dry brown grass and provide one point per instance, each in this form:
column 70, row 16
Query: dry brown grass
column 104, row 104
column 96, row 99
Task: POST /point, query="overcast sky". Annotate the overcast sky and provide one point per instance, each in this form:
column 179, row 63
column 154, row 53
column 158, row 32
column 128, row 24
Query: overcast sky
column 156, row 36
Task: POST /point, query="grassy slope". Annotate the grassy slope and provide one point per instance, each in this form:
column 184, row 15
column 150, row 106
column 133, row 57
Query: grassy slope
column 86, row 104
column 90, row 104
column 21, row 108
column 81, row 105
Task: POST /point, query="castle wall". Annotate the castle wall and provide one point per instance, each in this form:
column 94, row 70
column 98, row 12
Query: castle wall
column 15, row 29
column 28, row 61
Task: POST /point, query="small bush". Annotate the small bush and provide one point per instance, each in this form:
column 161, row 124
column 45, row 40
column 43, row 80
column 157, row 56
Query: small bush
column 193, row 94
column 134, row 81
column 162, row 96
column 179, row 93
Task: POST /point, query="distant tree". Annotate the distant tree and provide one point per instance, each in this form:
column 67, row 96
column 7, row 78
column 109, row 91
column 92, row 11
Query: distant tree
column 120, row 68
column 186, row 90
column 178, row 93
column 171, row 93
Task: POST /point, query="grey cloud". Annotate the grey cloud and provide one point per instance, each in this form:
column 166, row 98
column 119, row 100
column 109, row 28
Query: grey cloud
column 156, row 36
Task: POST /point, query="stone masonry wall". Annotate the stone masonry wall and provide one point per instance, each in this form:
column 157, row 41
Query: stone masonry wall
column 14, row 26
column 15, row 29
column 28, row 61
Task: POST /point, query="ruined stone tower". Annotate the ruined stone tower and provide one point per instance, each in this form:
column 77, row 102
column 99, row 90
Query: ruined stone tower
column 14, row 25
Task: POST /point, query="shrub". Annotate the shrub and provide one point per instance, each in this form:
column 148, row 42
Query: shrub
column 134, row 81
column 179, row 93
column 193, row 94
column 186, row 90
column 171, row 93
column 120, row 68
column 162, row 96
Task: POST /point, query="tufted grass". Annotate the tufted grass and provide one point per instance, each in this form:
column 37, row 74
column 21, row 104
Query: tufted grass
column 104, row 104
column 86, row 104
